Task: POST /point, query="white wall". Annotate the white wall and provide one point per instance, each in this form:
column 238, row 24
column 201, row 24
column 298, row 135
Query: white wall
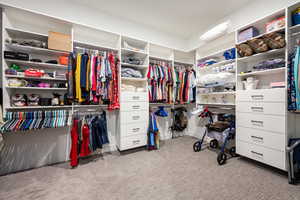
column 84, row 15
column 252, row 11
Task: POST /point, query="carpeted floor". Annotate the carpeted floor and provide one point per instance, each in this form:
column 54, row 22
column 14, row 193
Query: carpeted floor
column 174, row 172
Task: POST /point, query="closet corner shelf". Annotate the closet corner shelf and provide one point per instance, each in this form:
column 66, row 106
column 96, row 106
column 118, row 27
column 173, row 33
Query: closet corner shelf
column 135, row 66
column 261, row 35
column 37, row 64
column 264, row 72
column 219, row 93
column 134, row 51
column 133, row 79
column 38, row 107
column 36, row 78
column 36, row 50
column 254, row 57
column 87, row 45
column 35, row 88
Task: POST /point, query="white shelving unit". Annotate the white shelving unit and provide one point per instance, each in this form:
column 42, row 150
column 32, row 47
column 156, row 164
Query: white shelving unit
column 261, row 113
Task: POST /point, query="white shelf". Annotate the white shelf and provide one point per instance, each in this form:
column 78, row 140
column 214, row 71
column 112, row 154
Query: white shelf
column 261, row 35
column 35, row 88
column 255, row 57
column 183, row 63
column 135, row 66
column 37, row 64
column 215, row 54
column 38, row 107
column 35, row 50
column 264, row 72
column 133, row 79
column 134, row 51
column 160, row 58
column 218, row 93
column 294, row 27
column 87, row 45
column 217, row 104
column 89, row 106
column 224, row 62
column 19, row 33
column 36, row 78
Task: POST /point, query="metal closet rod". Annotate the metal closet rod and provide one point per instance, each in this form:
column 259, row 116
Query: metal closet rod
column 95, row 50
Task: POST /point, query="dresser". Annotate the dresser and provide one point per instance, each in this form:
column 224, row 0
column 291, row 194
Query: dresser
column 261, row 125
column 133, row 120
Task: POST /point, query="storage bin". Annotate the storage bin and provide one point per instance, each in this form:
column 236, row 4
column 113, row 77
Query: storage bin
column 296, row 17
column 248, row 34
column 59, row 41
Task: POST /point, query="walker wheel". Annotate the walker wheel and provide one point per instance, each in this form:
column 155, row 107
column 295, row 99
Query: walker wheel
column 214, row 144
column 222, row 157
column 232, row 152
column 197, row 146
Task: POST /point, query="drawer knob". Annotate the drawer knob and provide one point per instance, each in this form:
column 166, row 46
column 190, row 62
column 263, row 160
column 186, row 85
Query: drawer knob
column 135, row 97
column 136, row 141
column 257, row 109
column 135, row 117
column 257, row 123
column 256, row 153
column 135, row 129
column 135, row 107
column 257, row 97
column 256, row 137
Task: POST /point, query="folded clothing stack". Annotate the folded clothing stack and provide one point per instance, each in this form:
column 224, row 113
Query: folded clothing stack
column 270, row 64
column 130, row 59
column 130, row 73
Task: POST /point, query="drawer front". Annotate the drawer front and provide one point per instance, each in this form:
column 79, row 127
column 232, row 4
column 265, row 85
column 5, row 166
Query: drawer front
column 262, row 154
column 133, row 142
column 133, row 129
column 134, row 96
column 265, row 95
column 134, row 117
column 262, row 122
column 134, row 106
column 266, row 139
column 275, row 108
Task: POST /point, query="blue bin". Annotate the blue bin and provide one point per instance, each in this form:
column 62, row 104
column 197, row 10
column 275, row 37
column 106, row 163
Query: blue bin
column 296, row 19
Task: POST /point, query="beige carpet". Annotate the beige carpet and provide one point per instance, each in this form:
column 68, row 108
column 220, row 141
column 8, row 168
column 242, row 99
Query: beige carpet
column 174, row 172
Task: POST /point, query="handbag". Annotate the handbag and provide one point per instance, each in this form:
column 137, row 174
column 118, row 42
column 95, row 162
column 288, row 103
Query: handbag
column 33, row 100
column 34, row 73
column 18, row 100
column 17, row 82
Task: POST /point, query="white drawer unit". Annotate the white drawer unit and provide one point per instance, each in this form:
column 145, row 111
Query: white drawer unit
column 262, row 122
column 265, row 95
column 134, row 96
column 134, row 129
column 134, row 117
column 134, row 106
column 274, row 108
column 267, row 139
column 262, row 154
column 133, row 141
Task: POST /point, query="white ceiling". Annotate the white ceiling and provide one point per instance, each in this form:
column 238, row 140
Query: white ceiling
column 183, row 18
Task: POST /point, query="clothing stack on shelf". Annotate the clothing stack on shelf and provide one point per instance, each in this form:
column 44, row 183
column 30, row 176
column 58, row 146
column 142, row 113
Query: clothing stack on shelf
column 127, row 72
column 185, row 88
column 160, row 82
column 88, row 134
column 93, row 78
column 24, row 121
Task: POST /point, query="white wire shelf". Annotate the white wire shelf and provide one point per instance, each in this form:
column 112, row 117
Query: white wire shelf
column 36, row 78
column 36, row 88
column 261, row 35
column 35, row 50
column 135, row 66
column 37, row 64
column 264, row 72
column 255, row 57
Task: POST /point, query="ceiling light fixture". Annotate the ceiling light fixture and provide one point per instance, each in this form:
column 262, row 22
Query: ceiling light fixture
column 215, row 32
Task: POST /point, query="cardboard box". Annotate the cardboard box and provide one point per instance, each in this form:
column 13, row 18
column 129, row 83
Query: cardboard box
column 59, row 41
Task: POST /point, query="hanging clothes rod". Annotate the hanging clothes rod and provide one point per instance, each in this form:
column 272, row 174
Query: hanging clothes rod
column 95, row 50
